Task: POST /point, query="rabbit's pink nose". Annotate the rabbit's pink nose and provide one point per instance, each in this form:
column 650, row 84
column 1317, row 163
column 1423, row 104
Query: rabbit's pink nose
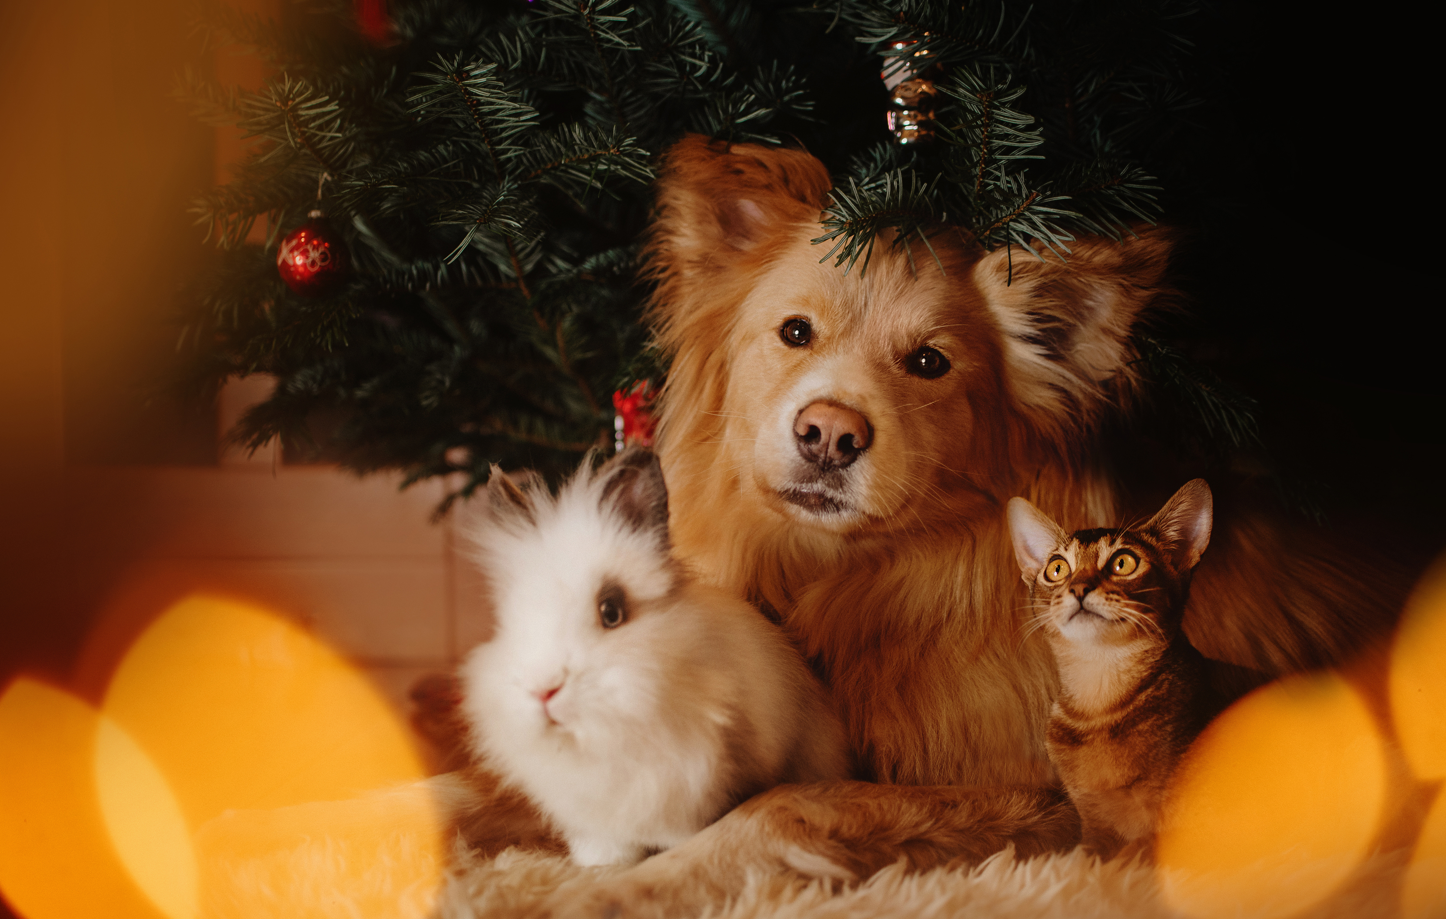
column 544, row 696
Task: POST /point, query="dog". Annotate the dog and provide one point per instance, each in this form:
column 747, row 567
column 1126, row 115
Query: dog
column 841, row 445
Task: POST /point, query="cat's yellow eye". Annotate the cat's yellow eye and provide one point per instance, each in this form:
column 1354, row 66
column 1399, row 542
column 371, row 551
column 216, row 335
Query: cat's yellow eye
column 1057, row 570
column 1124, row 563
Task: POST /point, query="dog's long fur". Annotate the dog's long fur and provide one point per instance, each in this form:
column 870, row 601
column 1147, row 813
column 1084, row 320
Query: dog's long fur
column 911, row 607
column 902, row 590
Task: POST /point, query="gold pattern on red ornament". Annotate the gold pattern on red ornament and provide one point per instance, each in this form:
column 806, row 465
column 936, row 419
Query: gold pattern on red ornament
column 911, row 94
column 311, row 258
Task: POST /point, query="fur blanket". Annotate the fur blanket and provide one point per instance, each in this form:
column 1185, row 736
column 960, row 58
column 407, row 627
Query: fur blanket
column 403, row 880
column 516, row 883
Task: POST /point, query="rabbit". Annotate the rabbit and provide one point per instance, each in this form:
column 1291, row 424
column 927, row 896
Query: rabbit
column 631, row 703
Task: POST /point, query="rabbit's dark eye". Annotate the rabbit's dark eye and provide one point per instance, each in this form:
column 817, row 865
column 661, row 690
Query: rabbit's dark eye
column 612, row 608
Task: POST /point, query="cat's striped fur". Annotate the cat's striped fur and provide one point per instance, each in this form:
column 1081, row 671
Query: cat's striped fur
column 1134, row 693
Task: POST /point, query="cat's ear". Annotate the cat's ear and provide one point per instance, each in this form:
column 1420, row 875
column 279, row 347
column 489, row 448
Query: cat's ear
column 633, row 482
column 1184, row 523
column 507, row 498
column 1035, row 536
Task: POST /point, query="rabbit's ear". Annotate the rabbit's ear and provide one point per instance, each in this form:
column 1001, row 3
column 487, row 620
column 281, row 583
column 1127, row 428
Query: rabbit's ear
column 506, row 497
column 633, row 482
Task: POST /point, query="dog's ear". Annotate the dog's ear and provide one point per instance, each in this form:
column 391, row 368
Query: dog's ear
column 1067, row 321
column 719, row 205
column 717, row 199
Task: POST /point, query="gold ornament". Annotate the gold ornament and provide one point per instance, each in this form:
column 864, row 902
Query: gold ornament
column 911, row 95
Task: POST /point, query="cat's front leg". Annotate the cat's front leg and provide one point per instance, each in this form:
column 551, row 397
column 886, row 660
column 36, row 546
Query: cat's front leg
column 839, row 831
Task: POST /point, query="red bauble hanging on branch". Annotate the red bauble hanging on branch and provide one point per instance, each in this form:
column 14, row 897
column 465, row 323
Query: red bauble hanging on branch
column 634, row 421
column 312, row 258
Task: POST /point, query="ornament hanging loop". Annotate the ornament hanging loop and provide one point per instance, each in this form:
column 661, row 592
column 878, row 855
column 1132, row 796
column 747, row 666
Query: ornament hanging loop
column 321, row 180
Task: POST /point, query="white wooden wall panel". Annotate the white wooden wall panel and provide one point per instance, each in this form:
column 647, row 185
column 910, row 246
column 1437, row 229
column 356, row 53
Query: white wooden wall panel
column 354, row 560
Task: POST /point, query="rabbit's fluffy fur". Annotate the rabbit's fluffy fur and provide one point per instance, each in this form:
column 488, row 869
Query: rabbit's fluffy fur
column 634, row 736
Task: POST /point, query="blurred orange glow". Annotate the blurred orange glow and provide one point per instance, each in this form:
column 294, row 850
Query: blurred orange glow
column 56, row 860
column 239, row 767
column 1424, row 895
column 144, row 821
column 1418, row 677
column 242, row 709
column 1275, row 804
column 1418, row 707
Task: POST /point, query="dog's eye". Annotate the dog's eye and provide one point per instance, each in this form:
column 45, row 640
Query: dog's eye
column 612, row 609
column 927, row 363
column 796, row 333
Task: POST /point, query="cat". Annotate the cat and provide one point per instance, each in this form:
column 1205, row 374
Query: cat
column 1134, row 693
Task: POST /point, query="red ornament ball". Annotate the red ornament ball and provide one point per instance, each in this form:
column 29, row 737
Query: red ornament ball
column 312, row 259
column 634, row 421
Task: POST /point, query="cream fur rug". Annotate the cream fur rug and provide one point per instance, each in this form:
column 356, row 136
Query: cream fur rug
column 372, row 859
column 1072, row 885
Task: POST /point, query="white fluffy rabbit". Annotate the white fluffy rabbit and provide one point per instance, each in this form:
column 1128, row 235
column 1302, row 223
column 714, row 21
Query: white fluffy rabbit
column 633, row 705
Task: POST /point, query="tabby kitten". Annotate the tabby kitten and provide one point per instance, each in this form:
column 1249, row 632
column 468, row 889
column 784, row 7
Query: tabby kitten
column 1134, row 692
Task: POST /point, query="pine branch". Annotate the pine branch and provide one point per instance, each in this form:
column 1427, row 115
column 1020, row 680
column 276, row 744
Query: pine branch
column 939, row 33
column 1219, row 409
column 595, row 23
column 1010, row 212
column 263, row 186
column 473, row 94
column 989, row 129
column 577, row 158
column 1108, row 197
column 855, row 218
column 494, row 210
column 296, row 116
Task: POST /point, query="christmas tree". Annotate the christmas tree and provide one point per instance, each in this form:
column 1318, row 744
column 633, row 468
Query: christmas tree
column 482, row 176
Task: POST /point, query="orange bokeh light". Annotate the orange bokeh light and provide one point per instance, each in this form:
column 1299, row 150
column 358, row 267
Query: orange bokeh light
column 237, row 767
column 56, row 859
column 1275, row 804
column 1418, row 701
column 1418, row 677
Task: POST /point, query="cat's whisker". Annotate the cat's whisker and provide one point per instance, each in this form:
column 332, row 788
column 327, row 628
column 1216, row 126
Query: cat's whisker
column 1141, row 616
column 1034, row 624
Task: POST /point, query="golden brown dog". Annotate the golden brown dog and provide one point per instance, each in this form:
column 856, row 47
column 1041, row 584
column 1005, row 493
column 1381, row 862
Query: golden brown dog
column 841, row 446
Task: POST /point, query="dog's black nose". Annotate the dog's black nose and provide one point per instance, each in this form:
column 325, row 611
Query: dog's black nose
column 831, row 436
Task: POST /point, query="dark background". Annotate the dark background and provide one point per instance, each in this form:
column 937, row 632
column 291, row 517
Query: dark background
column 1311, row 264
column 1316, row 281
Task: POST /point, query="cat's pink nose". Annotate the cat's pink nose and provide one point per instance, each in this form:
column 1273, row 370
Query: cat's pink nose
column 831, row 436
